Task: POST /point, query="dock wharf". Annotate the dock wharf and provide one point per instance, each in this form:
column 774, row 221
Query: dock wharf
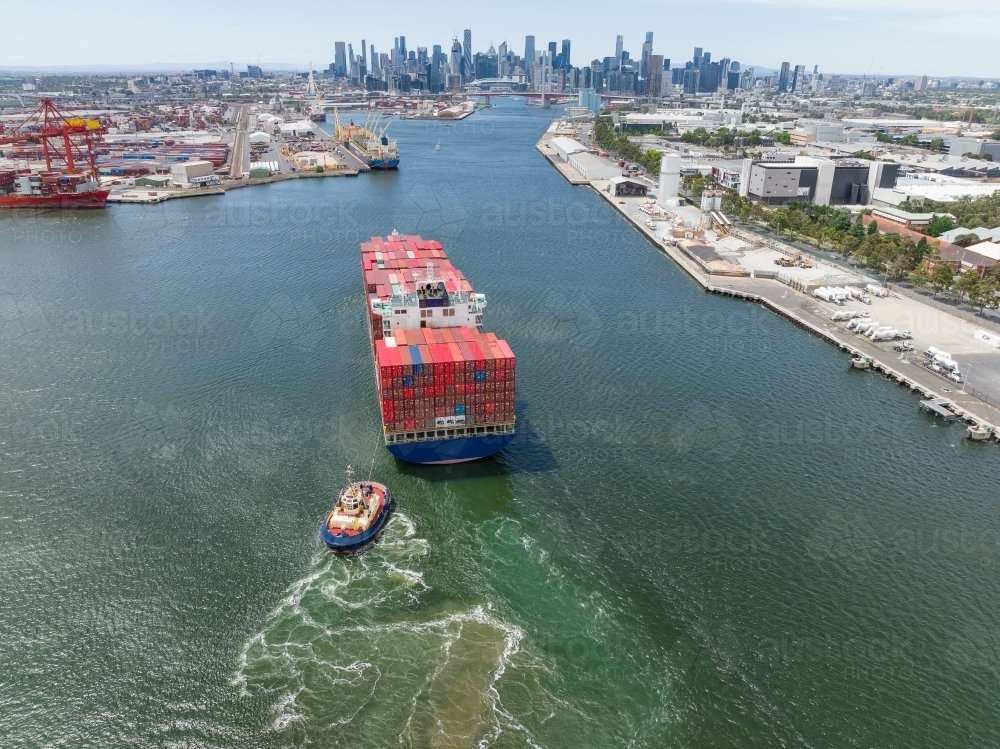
column 793, row 305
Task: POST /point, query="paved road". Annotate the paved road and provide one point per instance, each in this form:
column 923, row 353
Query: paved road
column 239, row 163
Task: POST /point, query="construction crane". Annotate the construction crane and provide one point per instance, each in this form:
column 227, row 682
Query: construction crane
column 67, row 139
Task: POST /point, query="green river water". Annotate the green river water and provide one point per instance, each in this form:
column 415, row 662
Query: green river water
column 708, row 533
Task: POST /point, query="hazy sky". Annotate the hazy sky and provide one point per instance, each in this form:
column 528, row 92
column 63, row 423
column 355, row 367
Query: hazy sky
column 938, row 38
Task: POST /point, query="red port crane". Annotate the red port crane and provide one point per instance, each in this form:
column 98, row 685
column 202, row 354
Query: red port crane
column 67, row 139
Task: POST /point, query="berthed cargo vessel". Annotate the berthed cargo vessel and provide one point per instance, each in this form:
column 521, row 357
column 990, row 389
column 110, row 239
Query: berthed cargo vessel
column 445, row 388
column 369, row 142
column 26, row 189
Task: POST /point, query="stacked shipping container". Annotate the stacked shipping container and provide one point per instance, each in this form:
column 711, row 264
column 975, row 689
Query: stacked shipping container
column 436, row 378
column 445, row 377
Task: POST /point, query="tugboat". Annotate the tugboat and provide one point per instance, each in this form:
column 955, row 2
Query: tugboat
column 361, row 512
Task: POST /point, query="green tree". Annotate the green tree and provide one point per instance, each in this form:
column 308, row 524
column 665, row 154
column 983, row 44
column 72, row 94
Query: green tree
column 873, row 228
column 942, row 277
column 937, row 145
column 840, row 221
column 996, row 135
column 966, row 240
column 785, row 138
column 858, row 230
column 938, row 225
column 909, row 140
column 967, row 284
column 989, row 289
column 920, row 276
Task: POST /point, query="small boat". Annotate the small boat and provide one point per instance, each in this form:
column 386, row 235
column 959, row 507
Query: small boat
column 437, row 146
column 861, row 362
column 361, row 512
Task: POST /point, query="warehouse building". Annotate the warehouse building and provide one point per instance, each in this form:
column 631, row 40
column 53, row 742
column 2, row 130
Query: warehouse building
column 816, row 180
column 565, row 146
column 193, row 174
column 591, row 167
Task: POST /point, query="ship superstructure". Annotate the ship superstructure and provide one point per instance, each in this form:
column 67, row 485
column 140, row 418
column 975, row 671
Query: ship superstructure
column 446, row 387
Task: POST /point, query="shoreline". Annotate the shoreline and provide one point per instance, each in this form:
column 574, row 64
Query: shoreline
column 155, row 196
column 969, row 409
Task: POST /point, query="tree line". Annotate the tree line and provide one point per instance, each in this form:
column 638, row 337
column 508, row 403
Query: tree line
column 614, row 140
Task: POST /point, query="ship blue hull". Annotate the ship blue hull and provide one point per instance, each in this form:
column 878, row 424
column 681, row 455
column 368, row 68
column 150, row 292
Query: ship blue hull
column 443, row 452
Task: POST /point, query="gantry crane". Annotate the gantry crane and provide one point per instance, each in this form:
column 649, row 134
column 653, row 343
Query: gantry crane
column 73, row 138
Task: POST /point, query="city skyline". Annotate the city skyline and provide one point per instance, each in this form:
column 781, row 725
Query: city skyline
column 746, row 29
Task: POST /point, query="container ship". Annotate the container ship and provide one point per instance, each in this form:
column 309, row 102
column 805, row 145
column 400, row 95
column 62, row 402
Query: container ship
column 72, row 141
column 28, row 189
column 446, row 388
column 369, row 142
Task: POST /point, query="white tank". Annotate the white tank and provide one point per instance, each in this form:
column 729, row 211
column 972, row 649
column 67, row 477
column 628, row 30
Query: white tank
column 946, row 361
column 670, row 176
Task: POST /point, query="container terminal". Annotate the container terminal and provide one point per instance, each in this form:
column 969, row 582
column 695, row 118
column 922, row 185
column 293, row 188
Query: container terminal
column 157, row 151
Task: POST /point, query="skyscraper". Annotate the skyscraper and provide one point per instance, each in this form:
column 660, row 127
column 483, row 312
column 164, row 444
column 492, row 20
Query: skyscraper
column 690, row 80
column 783, row 77
column 529, row 56
column 364, row 61
column 798, row 77
column 340, row 59
column 654, row 84
column 697, row 57
column 402, row 47
column 619, row 45
column 456, row 57
column 467, row 72
column 565, row 54
column 647, row 50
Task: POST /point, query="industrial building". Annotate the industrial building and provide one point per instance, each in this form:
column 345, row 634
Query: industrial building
column 591, row 167
column 626, row 187
column 193, row 174
column 816, row 180
column 564, row 146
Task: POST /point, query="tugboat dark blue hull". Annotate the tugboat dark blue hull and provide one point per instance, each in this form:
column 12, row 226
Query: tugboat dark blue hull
column 352, row 543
